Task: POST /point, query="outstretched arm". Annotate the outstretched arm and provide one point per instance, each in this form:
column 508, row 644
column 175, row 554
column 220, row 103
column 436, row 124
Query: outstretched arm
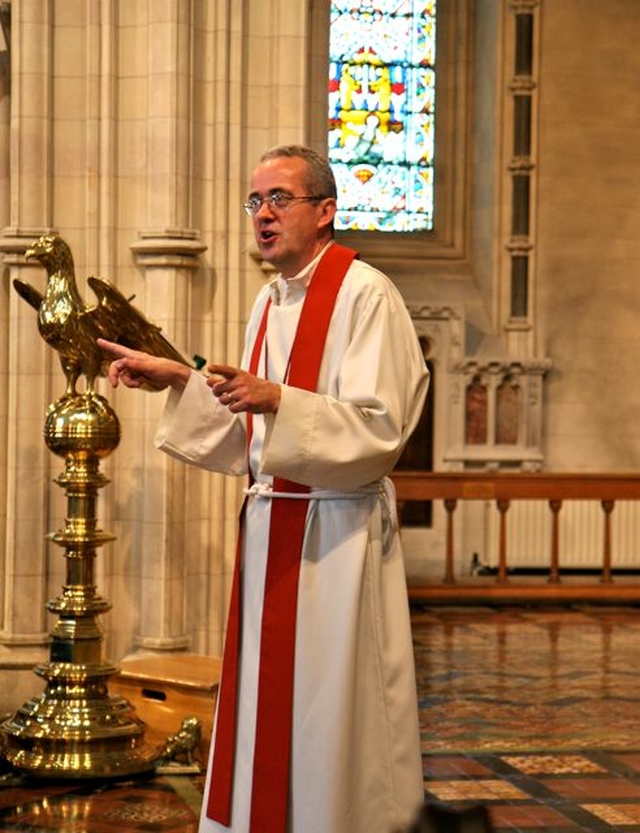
column 135, row 369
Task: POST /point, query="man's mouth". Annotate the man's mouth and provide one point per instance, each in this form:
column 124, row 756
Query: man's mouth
column 266, row 235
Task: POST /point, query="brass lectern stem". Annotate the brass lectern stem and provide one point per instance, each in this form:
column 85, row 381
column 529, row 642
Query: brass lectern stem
column 75, row 729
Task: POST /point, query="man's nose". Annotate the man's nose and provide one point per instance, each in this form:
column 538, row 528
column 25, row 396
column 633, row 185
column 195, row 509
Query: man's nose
column 264, row 204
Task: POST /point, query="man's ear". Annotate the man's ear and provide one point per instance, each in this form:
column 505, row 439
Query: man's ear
column 327, row 212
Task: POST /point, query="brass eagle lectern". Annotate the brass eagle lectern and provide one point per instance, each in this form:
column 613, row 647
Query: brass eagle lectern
column 75, row 729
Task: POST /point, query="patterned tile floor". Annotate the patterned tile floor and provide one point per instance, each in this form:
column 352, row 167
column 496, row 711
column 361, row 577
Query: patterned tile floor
column 160, row 804
column 534, row 713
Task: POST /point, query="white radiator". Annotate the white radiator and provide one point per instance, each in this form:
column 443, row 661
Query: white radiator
column 581, row 534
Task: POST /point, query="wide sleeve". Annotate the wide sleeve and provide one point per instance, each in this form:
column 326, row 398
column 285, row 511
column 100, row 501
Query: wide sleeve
column 373, row 385
column 195, row 428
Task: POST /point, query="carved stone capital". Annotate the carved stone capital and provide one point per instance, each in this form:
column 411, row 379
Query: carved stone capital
column 15, row 241
column 177, row 248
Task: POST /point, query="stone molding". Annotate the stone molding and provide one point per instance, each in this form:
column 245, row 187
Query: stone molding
column 178, row 248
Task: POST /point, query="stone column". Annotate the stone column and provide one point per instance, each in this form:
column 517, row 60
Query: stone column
column 167, row 254
column 24, row 384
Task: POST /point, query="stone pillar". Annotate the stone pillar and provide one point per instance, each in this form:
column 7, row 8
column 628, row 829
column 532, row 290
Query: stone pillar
column 167, row 254
column 24, row 384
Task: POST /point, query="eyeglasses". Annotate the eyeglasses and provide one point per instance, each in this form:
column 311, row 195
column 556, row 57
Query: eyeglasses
column 278, row 202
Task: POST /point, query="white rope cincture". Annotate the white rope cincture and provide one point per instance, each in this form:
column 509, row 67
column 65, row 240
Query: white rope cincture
column 265, row 490
column 383, row 488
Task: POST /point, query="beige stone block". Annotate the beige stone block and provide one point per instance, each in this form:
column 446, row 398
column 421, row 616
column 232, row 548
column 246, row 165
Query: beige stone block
column 163, row 48
column 292, row 62
column 69, row 201
column 262, row 20
column 133, row 44
column 165, row 11
column 204, row 97
column 132, row 97
column 133, row 14
column 70, row 147
column 260, row 116
column 70, row 53
column 31, row 55
column 30, row 550
column 131, row 209
column 289, row 107
column 132, row 151
column 70, row 98
column 33, row 486
column 70, row 14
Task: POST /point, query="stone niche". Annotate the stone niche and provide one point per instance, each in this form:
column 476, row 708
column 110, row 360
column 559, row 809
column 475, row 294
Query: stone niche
column 487, row 410
column 496, row 413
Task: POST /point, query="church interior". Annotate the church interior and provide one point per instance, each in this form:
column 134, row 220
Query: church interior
column 129, row 129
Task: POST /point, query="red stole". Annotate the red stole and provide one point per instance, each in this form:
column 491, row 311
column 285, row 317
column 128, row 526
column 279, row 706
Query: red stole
column 272, row 753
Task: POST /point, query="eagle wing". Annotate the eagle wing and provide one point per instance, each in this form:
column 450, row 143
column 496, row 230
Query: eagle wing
column 29, row 293
column 116, row 319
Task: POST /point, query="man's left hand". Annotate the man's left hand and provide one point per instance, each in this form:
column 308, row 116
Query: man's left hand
column 242, row 391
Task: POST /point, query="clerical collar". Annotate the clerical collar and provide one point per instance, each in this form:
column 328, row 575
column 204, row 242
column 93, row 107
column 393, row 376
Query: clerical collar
column 283, row 287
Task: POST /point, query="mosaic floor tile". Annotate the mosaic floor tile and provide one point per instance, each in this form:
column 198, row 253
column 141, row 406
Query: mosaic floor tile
column 552, row 764
column 584, row 788
column 484, row 790
column 449, row 766
column 529, row 817
column 616, row 815
column 630, row 760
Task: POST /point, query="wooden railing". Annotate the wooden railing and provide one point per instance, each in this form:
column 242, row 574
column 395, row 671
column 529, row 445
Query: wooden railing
column 504, row 488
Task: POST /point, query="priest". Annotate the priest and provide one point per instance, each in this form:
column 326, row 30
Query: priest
column 317, row 721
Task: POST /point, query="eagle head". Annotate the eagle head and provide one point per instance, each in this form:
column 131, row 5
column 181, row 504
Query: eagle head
column 52, row 252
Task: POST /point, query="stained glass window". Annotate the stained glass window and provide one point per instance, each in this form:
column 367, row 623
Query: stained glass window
column 381, row 113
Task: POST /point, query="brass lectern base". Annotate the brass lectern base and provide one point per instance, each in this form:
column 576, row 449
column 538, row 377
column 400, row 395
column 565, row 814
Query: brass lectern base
column 77, row 739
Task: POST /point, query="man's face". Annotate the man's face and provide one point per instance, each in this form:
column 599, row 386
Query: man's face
column 292, row 236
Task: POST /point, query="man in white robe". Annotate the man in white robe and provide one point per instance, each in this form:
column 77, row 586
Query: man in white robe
column 355, row 757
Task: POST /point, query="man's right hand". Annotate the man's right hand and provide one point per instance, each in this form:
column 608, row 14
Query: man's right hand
column 135, row 369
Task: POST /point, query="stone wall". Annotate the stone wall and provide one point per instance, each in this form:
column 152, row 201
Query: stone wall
column 132, row 128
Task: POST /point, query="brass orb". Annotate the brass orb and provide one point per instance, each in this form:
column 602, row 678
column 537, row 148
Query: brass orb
column 82, row 423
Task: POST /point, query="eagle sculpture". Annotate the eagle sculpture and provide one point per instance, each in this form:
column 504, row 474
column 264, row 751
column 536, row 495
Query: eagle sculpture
column 71, row 326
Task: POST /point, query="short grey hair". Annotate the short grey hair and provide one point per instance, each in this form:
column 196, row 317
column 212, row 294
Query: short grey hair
column 319, row 178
